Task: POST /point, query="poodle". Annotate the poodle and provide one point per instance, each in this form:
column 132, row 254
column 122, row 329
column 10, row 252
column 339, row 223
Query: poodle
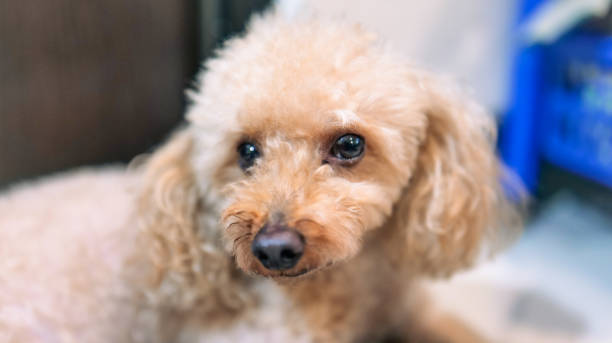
column 318, row 179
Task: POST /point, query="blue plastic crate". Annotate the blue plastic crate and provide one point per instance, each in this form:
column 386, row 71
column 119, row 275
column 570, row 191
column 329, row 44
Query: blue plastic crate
column 576, row 116
column 561, row 106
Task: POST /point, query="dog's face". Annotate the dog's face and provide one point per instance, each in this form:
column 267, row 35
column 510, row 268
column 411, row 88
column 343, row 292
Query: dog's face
column 317, row 146
column 311, row 136
column 314, row 179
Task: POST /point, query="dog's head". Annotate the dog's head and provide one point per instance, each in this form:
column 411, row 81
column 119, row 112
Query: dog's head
column 311, row 136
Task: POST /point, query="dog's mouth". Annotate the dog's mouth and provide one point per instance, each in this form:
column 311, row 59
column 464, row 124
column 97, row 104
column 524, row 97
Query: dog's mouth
column 284, row 275
column 292, row 274
column 299, row 273
column 289, row 274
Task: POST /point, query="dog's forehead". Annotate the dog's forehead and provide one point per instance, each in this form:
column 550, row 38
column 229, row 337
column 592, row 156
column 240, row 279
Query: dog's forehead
column 299, row 114
column 304, row 80
column 303, row 100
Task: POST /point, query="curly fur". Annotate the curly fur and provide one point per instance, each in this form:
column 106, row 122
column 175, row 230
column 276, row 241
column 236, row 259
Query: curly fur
column 424, row 201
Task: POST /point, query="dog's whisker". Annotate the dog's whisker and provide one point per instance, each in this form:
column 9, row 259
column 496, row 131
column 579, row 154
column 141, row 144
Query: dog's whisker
column 238, row 240
column 244, row 236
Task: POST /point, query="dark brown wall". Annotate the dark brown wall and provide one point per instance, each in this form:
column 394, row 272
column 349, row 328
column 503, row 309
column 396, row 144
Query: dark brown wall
column 85, row 82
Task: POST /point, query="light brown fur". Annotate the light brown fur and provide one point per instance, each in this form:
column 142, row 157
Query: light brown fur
column 423, row 201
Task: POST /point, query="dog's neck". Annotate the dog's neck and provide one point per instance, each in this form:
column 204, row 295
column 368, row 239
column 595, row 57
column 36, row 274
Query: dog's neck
column 360, row 292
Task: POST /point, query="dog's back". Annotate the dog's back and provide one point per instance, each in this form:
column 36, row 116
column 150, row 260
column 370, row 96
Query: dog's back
column 63, row 245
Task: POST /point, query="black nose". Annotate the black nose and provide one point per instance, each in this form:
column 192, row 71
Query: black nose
column 278, row 247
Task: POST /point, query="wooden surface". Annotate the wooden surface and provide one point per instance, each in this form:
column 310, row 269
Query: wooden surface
column 88, row 82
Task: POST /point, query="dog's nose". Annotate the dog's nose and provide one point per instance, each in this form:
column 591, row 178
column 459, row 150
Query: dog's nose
column 278, row 247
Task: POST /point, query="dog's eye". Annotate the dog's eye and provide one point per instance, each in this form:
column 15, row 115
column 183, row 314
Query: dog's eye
column 248, row 153
column 348, row 147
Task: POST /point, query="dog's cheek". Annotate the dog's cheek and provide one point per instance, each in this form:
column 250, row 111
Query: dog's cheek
column 241, row 220
column 246, row 262
column 241, row 250
column 327, row 244
column 367, row 206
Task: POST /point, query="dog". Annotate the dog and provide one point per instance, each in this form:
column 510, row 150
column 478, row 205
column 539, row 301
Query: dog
column 318, row 179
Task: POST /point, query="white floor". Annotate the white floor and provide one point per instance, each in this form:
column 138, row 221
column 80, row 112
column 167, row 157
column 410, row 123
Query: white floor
column 554, row 285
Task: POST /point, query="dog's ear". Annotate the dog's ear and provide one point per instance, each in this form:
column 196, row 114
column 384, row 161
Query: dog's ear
column 455, row 200
column 190, row 266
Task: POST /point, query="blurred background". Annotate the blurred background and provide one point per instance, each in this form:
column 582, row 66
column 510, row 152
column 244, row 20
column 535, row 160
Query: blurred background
column 90, row 82
column 94, row 82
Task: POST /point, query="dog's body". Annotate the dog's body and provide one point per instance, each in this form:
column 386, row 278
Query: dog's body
column 68, row 276
column 150, row 254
